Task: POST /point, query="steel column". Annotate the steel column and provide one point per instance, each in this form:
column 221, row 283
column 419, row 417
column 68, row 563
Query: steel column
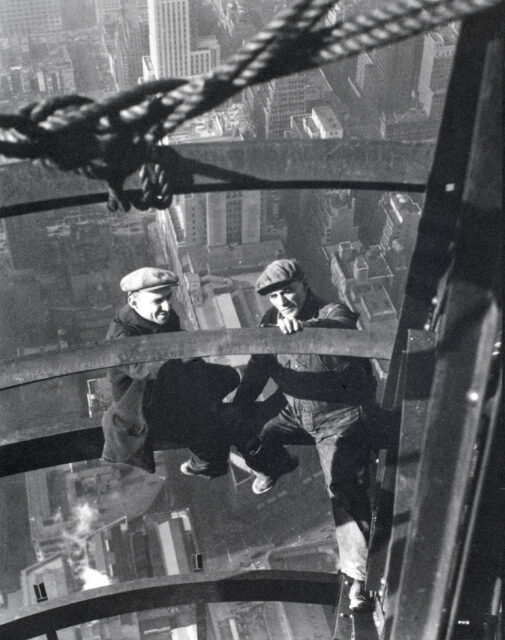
column 436, row 235
column 419, row 361
column 471, row 319
column 437, row 228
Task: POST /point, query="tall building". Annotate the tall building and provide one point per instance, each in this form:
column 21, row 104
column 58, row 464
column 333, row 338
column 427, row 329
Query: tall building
column 23, row 234
column 387, row 78
column 335, row 214
column 24, row 17
column 174, row 49
column 401, row 217
column 169, row 37
column 279, row 99
column 436, row 63
column 233, row 217
column 108, row 10
column 124, row 41
column 217, row 219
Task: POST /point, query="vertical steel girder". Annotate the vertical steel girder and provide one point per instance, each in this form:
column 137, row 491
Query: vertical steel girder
column 436, row 233
column 470, row 321
column 437, row 228
column 418, row 368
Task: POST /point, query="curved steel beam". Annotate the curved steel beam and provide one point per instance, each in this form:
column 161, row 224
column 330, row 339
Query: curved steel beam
column 100, row 355
column 224, row 166
column 152, row 593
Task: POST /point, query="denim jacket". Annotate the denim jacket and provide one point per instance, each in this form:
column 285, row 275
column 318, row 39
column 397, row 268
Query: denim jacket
column 328, row 378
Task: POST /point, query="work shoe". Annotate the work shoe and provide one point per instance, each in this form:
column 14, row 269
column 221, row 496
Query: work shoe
column 188, row 470
column 263, row 482
column 358, row 597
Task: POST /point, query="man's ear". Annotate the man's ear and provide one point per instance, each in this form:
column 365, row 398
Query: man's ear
column 132, row 300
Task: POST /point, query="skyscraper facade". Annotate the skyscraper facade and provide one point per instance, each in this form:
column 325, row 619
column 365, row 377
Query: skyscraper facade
column 436, row 62
column 24, row 17
column 175, row 50
column 279, row 100
column 387, row 78
column 169, row 37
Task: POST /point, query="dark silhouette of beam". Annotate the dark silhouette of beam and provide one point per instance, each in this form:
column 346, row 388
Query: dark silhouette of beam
column 153, row 593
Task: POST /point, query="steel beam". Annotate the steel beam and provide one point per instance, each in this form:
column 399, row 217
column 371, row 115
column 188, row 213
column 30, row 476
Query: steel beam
column 52, row 446
column 110, row 353
column 152, row 593
column 225, row 166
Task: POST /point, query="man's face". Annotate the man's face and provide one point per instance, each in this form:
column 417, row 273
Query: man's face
column 289, row 298
column 152, row 305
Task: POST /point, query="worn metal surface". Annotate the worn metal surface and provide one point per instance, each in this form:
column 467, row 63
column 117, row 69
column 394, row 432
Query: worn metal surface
column 445, row 487
column 382, row 514
column 419, row 360
column 224, row 166
column 438, row 225
column 363, row 626
column 431, row 553
column 158, row 347
column 343, row 624
column 152, row 593
column 482, row 554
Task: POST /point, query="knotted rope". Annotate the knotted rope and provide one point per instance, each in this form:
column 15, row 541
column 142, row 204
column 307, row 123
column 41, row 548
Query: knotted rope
column 112, row 139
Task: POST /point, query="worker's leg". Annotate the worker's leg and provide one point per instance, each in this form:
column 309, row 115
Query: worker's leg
column 187, row 406
column 344, row 461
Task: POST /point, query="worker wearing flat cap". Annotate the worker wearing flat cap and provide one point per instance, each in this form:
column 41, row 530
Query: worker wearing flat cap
column 171, row 402
column 324, row 397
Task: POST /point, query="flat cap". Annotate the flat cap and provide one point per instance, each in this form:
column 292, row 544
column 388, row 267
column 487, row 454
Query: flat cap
column 278, row 273
column 148, row 279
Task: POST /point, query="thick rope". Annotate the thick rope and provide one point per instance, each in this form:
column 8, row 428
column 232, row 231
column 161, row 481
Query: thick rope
column 112, row 139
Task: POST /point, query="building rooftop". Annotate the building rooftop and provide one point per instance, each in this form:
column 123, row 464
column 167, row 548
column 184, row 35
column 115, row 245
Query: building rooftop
column 445, row 36
column 376, row 305
column 229, row 260
column 377, row 265
column 399, row 205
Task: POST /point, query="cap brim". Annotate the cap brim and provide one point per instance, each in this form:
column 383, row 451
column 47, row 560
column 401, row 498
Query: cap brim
column 275, row 285
column 160, row 286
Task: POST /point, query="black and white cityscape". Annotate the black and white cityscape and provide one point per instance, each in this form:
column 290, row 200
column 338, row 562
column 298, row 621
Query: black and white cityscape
column 90, row 524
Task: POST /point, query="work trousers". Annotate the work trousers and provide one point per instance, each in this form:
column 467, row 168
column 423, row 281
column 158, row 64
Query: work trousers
column 340, row 438
column 184, row 408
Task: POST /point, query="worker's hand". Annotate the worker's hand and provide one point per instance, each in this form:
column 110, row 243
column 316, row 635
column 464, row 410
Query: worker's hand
column 289, row 325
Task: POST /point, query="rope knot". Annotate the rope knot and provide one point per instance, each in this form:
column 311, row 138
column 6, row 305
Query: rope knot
column 72, row 133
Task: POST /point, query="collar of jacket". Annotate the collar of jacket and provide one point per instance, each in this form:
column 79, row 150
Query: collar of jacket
column 311, row 306
column 129, row 317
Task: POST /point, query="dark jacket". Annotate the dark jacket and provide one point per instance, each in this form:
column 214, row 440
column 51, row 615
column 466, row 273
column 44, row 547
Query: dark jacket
column 126, row 433
column 328, row 378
